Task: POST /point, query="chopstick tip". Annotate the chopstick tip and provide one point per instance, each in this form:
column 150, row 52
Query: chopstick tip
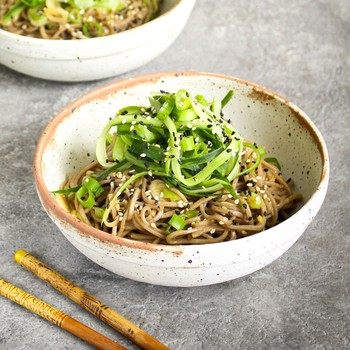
column 19, row 255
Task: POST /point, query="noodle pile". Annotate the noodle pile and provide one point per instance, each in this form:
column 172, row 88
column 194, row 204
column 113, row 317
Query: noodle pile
column 141, row 213
column 53, row 19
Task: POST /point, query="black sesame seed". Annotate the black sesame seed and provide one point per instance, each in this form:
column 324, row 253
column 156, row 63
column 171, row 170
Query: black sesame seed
column 244, row 206
column 229, row 150
column 124, row 112
column 177, row 212
column 171, row 156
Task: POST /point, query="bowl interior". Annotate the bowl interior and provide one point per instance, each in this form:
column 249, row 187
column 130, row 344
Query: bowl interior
column 259, row 115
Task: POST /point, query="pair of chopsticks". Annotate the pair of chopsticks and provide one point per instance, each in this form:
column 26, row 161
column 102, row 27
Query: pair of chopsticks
column 81, row 297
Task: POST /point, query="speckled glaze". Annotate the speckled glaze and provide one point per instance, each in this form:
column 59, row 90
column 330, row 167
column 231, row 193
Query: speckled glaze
column 96, row 58
column 260, row 115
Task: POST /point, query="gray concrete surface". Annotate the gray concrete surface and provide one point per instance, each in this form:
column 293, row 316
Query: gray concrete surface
column 300, row 49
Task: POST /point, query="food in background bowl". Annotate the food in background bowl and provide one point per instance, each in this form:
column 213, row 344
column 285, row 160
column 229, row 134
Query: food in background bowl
column 99, row 57
column 69, row 143
column 176, row 171
column 74, row 19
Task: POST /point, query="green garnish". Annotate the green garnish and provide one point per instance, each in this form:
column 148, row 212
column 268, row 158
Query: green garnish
column 274, row 161
column 184, row 141
column 178, row 222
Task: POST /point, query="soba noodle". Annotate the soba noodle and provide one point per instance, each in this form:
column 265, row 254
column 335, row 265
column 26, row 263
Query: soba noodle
column 72, row 19
column 142, row 209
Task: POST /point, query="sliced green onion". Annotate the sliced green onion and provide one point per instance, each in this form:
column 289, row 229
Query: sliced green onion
column 178, row 222
column 85, row 197
column 170, row 195
column 192, row 213
column 227, row 98
column 92, row 29
column 32, row 3
column 274, row 161
column 99, row 212
column 182, row 100
column 82, row 4
column 202, row 100
column 166, row 108
column 111, row 5
column 75, row 16
column 12, row 13
column 36, row 16
column 187, row 144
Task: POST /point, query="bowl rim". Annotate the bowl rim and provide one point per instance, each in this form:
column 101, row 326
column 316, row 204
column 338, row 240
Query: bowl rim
column 59, row 44
column 101, row 92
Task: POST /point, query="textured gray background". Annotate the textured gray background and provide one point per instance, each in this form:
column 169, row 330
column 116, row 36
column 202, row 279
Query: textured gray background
column 300, row 49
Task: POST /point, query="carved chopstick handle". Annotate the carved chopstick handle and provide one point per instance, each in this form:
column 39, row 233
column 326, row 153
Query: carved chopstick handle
column 88, row 302
column 57, row 317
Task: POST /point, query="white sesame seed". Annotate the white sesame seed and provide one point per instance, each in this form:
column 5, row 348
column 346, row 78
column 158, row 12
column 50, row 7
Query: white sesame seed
column 142, row 155
column 213, row 230
column 124, row 121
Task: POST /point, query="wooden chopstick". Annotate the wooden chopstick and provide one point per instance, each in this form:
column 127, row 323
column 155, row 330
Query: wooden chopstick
column 57, row 317
column 88, row 302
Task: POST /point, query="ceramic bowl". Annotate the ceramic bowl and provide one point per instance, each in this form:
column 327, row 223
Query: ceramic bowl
column 69, row 141
column 96, row 58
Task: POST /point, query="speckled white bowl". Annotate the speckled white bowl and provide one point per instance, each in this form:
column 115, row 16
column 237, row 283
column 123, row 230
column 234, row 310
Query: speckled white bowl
column 69, row 142
column 96, row 58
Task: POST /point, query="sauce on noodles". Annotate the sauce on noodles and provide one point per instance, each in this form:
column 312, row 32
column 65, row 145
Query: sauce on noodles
column 177, row 172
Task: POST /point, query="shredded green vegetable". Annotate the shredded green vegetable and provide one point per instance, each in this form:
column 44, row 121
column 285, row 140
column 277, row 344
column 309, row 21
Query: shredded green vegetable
column 181, row 139
column 199, row 155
